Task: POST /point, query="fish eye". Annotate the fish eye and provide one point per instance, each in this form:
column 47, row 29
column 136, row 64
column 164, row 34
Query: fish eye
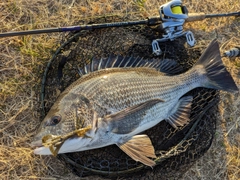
column 54, row 120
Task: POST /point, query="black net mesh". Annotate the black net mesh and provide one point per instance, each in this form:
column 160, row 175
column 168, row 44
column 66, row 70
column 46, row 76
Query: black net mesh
column 176, row 150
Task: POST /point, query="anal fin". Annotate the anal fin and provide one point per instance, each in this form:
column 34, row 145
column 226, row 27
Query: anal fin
column 139, row 148
column 181, row 112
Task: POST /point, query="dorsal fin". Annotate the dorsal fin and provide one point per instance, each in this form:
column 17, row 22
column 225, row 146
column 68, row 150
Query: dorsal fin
column 166, row 65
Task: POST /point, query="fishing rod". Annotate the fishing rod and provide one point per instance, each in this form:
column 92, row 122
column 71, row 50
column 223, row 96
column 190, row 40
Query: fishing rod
column 172, row 17
column 150, row 22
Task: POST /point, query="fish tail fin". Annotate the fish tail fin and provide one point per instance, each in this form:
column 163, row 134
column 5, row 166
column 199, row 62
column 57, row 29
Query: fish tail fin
column 217, row 74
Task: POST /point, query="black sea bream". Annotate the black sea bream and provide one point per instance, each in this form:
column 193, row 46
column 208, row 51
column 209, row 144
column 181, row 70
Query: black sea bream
column 118, row 103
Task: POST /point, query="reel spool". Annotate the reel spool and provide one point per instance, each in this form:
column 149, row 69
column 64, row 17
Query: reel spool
column 173, row 11
column 173, row 15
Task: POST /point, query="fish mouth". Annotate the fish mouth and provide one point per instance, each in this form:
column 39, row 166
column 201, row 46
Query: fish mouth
column 38, row 147
column 36, row 144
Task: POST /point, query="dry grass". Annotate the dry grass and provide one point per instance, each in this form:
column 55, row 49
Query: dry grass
column 23, row 58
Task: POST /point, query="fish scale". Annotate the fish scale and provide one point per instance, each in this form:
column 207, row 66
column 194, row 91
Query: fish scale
column 130, row 94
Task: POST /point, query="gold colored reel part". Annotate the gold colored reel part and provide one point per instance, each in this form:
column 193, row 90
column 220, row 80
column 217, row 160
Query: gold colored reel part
column 55, row 142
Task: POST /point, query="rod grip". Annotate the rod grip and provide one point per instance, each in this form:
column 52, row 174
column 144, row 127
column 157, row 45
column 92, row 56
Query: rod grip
column 195, row 17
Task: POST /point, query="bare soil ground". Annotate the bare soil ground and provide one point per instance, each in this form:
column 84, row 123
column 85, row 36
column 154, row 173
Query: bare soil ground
column 23, row 58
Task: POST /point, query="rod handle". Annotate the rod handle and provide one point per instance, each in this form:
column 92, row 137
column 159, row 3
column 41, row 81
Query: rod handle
column 196, row 17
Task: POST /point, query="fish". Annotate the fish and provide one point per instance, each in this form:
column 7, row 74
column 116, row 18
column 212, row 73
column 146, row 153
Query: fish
column 115, row 100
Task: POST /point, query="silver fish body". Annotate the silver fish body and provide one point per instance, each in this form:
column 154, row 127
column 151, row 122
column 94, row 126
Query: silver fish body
column 120, row 103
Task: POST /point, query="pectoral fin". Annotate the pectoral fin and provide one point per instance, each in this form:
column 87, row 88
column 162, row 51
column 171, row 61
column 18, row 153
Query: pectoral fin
column 181, row 113
column 125, row 121
column 139, row 148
